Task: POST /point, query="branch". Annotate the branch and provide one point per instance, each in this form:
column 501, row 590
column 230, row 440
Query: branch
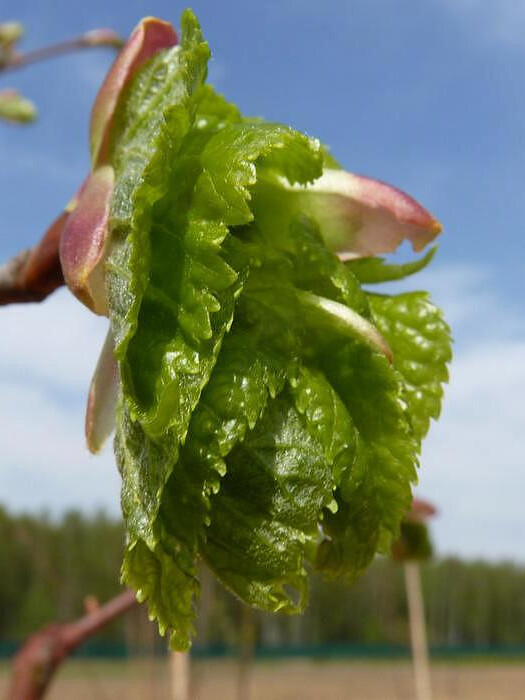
column 36, row 272
column 96, row 37
column 37, row 661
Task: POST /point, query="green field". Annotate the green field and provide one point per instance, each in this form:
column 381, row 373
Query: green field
column 287, row 680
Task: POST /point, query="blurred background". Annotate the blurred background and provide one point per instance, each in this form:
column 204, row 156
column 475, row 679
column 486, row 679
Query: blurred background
column 427, row 96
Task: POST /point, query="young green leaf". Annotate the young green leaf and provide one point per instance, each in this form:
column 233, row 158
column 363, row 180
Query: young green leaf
column 375, row 492
column 277, row 484
column 270, row 411
column 420, row 340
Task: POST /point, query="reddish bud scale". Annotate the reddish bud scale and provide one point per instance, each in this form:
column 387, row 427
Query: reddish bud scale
column 361, row 217
column 102, row 398
column 84, row 241
column 150, row 36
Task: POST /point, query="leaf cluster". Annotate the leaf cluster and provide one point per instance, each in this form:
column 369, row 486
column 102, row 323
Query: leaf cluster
column 261, row 425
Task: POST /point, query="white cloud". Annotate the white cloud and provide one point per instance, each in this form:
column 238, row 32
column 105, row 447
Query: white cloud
column 47, row 354
column 473, row 462
column 57, row 342
column 45, row 463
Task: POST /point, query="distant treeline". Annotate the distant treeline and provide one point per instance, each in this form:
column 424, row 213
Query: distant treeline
column 47, row 568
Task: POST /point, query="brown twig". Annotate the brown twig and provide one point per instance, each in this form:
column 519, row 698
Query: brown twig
column 39, row 658
column 97, row 37
column 36, row 272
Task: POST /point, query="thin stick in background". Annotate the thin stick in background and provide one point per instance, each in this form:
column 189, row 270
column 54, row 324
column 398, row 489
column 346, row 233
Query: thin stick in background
column 418, row 634
column 246, row 653
column 180, row 675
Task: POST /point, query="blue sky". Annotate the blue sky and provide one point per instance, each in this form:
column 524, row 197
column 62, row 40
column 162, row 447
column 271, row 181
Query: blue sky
column 428, row 96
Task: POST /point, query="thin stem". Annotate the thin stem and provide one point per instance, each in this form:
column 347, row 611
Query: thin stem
column 15, row 288
column 34, row 273
column 98, row 37
column 11, row 274
column 37, row 661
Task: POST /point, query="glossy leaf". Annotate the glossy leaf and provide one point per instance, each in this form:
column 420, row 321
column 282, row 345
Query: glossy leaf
column 421, row 344
column 267, row 409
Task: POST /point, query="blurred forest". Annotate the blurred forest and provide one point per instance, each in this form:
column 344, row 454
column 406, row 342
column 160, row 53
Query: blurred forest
column 49, row 567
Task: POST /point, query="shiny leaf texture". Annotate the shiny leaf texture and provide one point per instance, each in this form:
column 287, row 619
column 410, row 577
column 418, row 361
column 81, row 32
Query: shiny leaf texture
column 269, row 414
column 420, row 340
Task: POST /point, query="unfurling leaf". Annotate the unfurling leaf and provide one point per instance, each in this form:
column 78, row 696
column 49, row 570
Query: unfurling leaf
column 270, row 411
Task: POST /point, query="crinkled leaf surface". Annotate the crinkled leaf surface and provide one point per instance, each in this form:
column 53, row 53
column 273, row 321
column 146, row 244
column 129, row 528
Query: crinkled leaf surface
column 374, row 492
column 252, row 431
column 420, row 340
column 278, row 481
